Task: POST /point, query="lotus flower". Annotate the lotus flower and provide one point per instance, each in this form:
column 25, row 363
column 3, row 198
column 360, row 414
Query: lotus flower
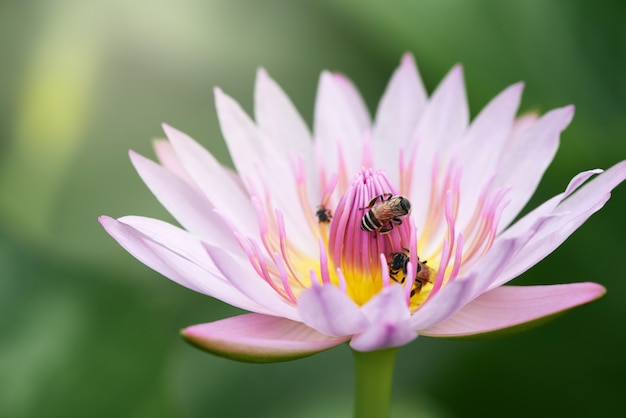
column 285, row 238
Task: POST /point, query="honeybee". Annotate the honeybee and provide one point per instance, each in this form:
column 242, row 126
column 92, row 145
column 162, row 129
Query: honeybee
column 386, row 212
column 422, row 276
column 398, row 265
column 323, row 215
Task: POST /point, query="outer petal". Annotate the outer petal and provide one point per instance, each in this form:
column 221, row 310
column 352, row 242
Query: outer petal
column 548, row 206
column 398, row 114
column 388, row 305
column 525, row 160
column 180, row 241
column 203, row 278
column 443, row 305
column 384, row 335
column 566, row 218
column 213, row 179
column 264, row 169
column 338, row 125
column 330, row 311
column 278, row 118
column 388, row 315
column 353, row 100
column 401, row 106
column 444, row 120
column 479, row 152
column 461, row 291
column 167, row 157
column 512, row 306
column 192, row 210
column 446, row 116
column 259, row 338
column 279, row 121
column 240, row 273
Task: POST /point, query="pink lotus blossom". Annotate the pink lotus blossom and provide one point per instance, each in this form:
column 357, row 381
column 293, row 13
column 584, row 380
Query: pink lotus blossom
column 282, row 237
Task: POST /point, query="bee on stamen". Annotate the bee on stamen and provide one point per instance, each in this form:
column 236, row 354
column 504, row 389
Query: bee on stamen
column 323, row 215
column 398, row 269
column 422, row 276
column 383, row 215
column 398, row 265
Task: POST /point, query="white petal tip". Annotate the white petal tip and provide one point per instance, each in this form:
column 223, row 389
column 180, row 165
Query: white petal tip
column 457, row 70
column 167, row 129
column 104, row 220
column 261, row 73
column 407, row 60
column 519, row 86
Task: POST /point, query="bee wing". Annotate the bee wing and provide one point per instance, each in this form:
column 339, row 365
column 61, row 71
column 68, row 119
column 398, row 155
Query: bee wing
column 385, row 213
column 424, row 274
column 397, row 211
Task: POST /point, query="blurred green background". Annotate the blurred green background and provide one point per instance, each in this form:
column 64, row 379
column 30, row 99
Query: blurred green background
column 87, row 331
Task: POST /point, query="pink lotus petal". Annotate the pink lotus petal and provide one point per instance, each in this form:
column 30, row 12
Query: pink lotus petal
column 480, row 151
column 554, row 232
column 259, row 338
column 210, row 177
column 401, row 106
column 444, row 120
column 521, row 124
column 336, row 126
column 203, row 278
column 167, row 157
column 510, row 306
column 524, row 224
column 353, row 100
column 458, row 293
column 523, row 163
column 388, row 315
column 383, row 335
column 241, row 274
column 277, row 117
column 189, row 208
column 398, row 114
column 330, row 311
column 596, row 189
column 263, row 168
column 446, row 116
column 389, row 305
column 568, row 216
column 180, row 241
column 443, row 305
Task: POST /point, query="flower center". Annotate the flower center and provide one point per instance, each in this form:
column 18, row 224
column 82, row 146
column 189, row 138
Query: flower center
column 370, row 237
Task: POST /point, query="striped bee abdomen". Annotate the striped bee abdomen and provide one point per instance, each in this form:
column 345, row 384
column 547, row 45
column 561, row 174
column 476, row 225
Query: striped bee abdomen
column 369, row 222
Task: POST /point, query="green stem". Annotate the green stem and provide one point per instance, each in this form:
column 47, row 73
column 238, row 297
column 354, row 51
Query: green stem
column 374, row 378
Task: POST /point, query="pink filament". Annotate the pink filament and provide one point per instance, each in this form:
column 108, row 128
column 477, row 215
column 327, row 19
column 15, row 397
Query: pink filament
column 385, row 270
column 280, row 264
column 324, row 262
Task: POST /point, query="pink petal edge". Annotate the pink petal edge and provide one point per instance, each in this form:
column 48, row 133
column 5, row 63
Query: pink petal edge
column 259, row 338
column 511, row 306
column 388, row 315
column 197, row 275
column 330, row 311
column 383, row 335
